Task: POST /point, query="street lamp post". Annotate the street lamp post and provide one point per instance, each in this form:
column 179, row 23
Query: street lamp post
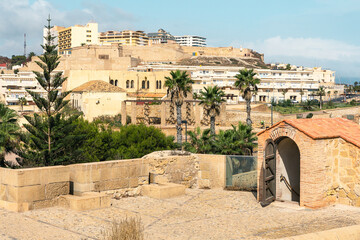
column 185, row 121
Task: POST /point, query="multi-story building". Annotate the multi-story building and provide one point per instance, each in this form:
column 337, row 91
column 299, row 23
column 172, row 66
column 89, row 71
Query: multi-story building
column 191, row 41
column 274, row 85
column 14, row 86
column 126, row 37
column 75, row 36
column 161, row 37
column 54, row 31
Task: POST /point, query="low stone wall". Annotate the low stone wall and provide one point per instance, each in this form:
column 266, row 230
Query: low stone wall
column 109, row 175
column 26, row 189
column 212, row 171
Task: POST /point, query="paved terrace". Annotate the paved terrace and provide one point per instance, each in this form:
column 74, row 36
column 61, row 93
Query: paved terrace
column 200, row 214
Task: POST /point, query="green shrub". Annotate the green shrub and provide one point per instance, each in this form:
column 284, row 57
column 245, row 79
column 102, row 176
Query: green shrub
column 310, row 115
column 240, row 140
column 112, row 121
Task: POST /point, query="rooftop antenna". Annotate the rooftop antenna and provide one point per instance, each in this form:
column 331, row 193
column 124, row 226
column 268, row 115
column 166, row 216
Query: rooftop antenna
column 25, row 44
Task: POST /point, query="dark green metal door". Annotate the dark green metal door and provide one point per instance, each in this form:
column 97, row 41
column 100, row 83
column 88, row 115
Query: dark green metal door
column 269, row 173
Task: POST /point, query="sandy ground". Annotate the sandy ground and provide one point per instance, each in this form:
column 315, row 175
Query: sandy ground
column 200, row 214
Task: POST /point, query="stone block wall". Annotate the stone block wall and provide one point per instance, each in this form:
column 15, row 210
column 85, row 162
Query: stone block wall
column 344, row 172
column 212, row 172
column 24, row 189
column 109, row 175
column 175, row 169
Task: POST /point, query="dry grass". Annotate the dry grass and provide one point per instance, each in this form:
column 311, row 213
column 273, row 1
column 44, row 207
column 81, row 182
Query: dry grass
column 125, row 229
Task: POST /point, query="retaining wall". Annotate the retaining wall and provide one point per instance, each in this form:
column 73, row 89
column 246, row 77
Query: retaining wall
column 26, row 189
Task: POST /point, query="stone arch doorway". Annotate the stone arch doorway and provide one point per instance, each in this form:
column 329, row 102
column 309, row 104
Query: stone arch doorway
column 287, row 170
column 281, row 175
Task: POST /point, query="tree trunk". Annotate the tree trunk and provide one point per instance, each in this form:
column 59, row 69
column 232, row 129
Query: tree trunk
column 178, row 124
column 212, row 125
column 320, row 102
column 248, row 110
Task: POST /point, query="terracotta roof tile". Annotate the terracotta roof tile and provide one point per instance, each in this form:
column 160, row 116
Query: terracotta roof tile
column 323, row 128
column 97, row 86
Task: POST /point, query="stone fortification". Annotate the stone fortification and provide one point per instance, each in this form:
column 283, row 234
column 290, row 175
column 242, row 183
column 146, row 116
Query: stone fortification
column 33, row 188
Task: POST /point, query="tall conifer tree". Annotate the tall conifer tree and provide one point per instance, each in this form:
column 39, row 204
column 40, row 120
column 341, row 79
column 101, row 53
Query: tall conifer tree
column 50, row 133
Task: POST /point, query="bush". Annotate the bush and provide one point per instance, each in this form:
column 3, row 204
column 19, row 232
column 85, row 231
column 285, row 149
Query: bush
column 353, row 102
column 126, row 229
column 112, row 121
column 240, row 140
column 95, row 143
column 310, row 115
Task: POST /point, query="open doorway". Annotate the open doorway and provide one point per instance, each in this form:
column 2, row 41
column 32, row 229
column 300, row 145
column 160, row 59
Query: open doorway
column 287, row 170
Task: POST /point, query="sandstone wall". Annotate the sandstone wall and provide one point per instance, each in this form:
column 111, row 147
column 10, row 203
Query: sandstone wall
column 212, row 172
column 344, row 172
column 24, row 189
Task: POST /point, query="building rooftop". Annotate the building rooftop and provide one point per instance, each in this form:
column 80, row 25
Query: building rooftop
column 325, row 128
column 146, row 95
column 97, row 86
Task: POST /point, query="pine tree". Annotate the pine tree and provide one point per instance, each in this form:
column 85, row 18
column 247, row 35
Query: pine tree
column 50, row 140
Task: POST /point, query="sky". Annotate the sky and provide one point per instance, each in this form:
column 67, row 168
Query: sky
column 310, row 33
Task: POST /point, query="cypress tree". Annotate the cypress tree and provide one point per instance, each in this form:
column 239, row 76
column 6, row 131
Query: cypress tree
column 49, row 140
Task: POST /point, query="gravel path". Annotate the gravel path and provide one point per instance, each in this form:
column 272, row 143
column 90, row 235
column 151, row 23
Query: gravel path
column 200, row 214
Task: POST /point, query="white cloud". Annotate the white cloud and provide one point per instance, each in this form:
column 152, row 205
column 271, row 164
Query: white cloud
column 316, row 48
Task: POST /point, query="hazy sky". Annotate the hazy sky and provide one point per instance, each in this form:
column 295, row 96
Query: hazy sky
column 307, row 32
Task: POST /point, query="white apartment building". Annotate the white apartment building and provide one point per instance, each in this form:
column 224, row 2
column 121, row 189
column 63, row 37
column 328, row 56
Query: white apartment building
column 14, row 86
column 191, row 41
column 297, row 85
column 76, row 36
column 54, row 31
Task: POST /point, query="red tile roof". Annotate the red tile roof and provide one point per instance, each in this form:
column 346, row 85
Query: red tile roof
column 323, row 128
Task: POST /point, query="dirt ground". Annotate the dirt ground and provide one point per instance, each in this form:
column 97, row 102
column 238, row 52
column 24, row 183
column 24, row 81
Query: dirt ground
column 200, row 214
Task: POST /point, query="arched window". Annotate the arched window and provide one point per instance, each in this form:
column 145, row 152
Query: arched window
column 160, row 85
column 112, row 82
column 127, row 83
column 143, row 84
column 132, row 83
column 116, row 82
column 157, row 84
column 148, row 84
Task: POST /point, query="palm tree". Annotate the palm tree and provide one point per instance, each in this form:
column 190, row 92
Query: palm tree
column 246, row 83
column 199, row 141
column 211, row 99
column 22, row 102
column 321, row 93
column 329, row 95
column 284, row 91
column 336, row 93
column 8, row 132
column 179, row 84
column 301, row 94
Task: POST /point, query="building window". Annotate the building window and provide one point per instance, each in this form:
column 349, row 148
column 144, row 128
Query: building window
column 148, row 84
column 127, row 83
column 157, row 84
column 112, row 82
column 143, row 84
column 103, row 56
column 132, row 83
column 116, row 82
column 160, row 85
